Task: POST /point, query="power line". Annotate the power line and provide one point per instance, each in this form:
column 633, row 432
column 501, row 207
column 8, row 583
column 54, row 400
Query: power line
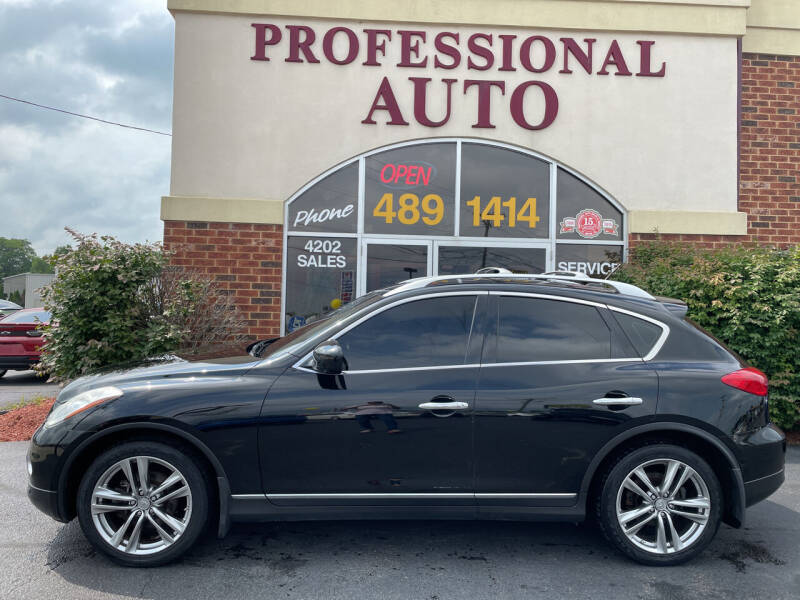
column 66, row 112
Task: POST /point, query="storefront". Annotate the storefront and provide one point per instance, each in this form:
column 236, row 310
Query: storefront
column 440, row 207
column 322, row 150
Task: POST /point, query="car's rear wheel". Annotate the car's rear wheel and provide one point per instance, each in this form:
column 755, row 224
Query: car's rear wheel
column 143, row 503
column 660, row 504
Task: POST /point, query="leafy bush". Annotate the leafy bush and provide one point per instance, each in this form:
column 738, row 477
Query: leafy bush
column 115, row 303
column 747, row 297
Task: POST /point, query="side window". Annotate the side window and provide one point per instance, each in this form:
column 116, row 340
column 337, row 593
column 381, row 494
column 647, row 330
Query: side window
column 423, row 333
column 534, row 330
column 643, row 334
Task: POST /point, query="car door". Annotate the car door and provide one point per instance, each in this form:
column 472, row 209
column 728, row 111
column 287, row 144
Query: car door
column 558, row 380
column 395, row 427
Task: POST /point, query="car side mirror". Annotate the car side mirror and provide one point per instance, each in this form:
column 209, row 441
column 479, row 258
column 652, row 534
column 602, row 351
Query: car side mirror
column 328, row 358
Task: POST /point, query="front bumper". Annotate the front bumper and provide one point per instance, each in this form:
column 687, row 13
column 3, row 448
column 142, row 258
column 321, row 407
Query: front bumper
column 44, row 466
column 45, row 500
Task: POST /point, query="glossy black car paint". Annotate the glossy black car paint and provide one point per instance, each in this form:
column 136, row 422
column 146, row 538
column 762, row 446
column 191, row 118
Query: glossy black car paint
column 282, row 442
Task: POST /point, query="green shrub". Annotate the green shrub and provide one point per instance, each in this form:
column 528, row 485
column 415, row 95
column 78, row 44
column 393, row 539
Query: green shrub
column 747, row 297
column 115, row 304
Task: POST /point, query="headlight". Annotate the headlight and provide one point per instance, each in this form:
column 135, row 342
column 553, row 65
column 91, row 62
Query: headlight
column 81, row 402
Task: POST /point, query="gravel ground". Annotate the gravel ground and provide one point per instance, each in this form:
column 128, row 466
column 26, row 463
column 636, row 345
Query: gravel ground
column 40, row 558
column 21, row 423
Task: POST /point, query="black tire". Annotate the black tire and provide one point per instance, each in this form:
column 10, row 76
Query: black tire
column 188, row 468
column 3, row 372
column 615, row 476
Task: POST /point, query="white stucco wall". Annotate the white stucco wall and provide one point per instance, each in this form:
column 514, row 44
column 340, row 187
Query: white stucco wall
column 261, row 130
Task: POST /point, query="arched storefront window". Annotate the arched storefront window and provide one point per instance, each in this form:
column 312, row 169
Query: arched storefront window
column 440, row 207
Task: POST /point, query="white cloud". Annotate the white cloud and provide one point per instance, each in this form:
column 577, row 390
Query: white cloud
column 112, row 60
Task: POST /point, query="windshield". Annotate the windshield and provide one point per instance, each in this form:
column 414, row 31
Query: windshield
column 291, row 342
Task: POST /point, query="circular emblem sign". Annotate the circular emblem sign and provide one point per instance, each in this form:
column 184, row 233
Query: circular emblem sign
column 588, row 223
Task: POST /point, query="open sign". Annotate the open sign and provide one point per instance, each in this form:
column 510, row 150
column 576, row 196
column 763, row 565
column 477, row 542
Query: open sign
column 405, row 174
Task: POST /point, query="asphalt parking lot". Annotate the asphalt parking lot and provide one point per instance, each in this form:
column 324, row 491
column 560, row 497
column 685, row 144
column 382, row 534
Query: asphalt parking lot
column 40, row 558
column 17, row 386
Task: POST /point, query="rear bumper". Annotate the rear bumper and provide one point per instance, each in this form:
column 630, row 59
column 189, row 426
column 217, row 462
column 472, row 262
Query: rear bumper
column 17, row 363
column 764, row 454
column 759, row 489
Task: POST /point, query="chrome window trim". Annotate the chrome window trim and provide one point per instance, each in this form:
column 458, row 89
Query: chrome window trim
column 302, row 367
column 561, row 362
column 399, row 370
column 481, row 365
column 546, row 297
column 665, row 330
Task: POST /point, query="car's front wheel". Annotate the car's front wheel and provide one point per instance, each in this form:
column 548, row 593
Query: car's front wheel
column 143, row 503
column 660, row 504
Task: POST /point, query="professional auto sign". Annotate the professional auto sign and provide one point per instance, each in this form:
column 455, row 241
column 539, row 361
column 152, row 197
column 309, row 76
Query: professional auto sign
column 445, row 51
column 589, row 224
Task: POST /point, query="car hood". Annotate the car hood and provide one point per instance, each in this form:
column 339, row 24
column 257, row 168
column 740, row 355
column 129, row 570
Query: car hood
column 166, row 371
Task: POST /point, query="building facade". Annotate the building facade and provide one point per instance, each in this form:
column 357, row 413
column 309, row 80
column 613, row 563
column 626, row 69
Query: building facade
column 324, row 149
column 25, row 287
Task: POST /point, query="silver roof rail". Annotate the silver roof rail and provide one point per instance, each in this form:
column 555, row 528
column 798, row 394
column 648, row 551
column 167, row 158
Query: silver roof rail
column 573, row 276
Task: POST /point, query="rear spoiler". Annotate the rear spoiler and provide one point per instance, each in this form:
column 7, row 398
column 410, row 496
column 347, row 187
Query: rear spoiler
column 673, row 305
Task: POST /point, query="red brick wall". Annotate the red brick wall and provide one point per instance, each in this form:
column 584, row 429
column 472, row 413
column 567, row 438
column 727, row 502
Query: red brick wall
column 769, row 181
column 243, row 258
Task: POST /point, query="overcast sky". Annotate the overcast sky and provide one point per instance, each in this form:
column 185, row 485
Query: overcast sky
column 111, row 59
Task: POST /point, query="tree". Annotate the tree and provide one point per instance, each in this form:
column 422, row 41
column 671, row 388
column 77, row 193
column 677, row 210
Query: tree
column 41, row 265
column 16, row 256
column 60, row 251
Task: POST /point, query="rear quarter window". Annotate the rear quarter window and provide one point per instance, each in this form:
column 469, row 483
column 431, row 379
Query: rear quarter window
column 642, row 334
column 539, row 330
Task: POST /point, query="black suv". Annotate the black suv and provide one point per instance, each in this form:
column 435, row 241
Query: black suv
column 469, row 397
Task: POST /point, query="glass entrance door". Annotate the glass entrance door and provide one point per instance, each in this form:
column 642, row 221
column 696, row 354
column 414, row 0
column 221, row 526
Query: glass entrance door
column 455, row 258
column 388, row 263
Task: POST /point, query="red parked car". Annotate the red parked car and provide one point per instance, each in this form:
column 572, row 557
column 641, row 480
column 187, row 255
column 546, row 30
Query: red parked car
column 21, row 340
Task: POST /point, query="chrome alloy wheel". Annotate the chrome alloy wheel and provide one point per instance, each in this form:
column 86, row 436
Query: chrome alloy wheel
column 663, row 506
column 141, row 505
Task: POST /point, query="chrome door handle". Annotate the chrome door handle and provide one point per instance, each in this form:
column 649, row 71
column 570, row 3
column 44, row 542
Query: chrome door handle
column 626, row 401
column 444, row 405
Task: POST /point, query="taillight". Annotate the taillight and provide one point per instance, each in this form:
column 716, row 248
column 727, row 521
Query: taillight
column 748, row 380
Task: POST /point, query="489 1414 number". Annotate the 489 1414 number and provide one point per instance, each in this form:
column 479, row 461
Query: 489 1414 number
column 494, row 214
column 408, row 209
